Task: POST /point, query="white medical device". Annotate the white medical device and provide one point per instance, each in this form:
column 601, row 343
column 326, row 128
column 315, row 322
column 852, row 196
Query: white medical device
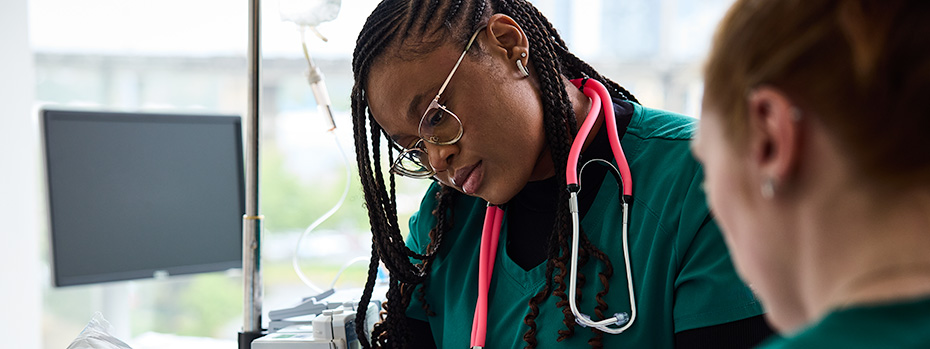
column 324, row 321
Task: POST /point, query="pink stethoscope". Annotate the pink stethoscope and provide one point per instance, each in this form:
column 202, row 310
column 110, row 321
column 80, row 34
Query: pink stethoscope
column 494, row 217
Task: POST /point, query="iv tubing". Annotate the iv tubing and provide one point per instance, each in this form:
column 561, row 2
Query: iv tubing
column 345, row 192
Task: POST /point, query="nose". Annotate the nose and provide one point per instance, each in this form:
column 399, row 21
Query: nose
column 440, row 156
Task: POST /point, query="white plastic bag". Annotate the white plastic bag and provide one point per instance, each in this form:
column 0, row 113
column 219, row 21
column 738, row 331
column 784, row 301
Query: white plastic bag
column 309, row 12
column 96, row 335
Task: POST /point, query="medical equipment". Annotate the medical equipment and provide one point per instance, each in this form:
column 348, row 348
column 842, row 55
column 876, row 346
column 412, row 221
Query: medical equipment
column 329, row 299
column 494, row 218
column 326, row 320
column 326, row 323
column 311, row 13
column 308, row 14
column 599, row 94
column 333, row 329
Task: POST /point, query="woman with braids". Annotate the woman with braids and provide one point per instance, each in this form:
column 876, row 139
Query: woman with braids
column 814, row 137
column 498, row 132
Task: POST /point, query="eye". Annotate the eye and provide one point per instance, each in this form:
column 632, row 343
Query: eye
column 419, row 145
column 435, row 117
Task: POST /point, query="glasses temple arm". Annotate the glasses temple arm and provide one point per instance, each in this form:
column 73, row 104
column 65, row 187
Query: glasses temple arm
column 445, row 83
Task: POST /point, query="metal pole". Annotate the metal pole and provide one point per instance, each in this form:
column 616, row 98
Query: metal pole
column 252, row 220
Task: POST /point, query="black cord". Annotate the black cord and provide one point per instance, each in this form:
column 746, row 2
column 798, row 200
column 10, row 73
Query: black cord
column 584, row 80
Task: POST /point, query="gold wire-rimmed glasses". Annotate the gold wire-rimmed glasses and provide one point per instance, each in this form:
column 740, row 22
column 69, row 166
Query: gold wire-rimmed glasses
column 436, row 127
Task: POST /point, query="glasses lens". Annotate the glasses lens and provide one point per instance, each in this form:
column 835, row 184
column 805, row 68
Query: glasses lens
column 412, row 164
column 440, row 126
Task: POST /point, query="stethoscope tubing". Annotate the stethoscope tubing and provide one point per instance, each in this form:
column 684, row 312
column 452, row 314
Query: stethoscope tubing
column 598, row 94
column 493, row 220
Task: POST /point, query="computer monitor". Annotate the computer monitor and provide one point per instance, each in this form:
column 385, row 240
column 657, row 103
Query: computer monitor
column 137, row 195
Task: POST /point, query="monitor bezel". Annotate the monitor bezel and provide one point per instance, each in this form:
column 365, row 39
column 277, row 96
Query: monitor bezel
column 48, row 113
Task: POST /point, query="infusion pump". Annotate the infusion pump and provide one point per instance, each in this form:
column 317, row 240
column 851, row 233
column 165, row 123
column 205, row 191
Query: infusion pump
column 323, row 324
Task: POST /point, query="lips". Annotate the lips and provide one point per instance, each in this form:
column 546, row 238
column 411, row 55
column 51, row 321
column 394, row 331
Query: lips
column 467, row 178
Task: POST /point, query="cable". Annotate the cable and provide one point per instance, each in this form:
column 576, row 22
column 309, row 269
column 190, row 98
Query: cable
column 332, row 285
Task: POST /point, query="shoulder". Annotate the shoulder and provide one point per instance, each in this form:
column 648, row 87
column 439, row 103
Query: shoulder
column 894, row 325
column 649, row 123
column 657, row 145
column 423, row 220
column 668, row 179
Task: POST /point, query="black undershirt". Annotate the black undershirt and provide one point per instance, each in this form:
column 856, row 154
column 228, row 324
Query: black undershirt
column 531, row 215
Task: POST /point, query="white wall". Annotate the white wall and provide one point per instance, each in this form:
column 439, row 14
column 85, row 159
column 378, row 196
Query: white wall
column 20, row 292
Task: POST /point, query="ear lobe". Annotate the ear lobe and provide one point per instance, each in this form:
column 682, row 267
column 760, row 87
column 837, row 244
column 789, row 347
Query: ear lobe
column 507, row 38
column 775, row 139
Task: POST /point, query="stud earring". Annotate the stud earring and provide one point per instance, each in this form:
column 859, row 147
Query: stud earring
column 796, row 114
column 521, row 67
column 768, row 188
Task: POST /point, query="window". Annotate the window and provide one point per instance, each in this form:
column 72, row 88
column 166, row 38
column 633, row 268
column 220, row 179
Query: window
column 181, row 55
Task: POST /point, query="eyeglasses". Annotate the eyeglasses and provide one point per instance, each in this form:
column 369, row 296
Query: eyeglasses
column 439, row 126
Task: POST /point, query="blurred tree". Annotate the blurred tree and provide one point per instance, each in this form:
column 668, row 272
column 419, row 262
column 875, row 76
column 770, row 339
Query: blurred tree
column 290, row 203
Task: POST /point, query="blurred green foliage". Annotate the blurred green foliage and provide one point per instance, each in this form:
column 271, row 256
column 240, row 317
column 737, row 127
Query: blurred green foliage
column 290, row 202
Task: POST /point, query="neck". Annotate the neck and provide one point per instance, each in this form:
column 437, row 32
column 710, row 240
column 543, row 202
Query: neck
column 862, row 249
column 581, row 104
column 842, row 239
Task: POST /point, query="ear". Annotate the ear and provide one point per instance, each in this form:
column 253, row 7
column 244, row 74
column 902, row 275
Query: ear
column 775, row 144
column 506, row 38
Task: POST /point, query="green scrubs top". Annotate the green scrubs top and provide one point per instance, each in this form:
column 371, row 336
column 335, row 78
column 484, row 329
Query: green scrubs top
column 895, row 325
column 682, row 274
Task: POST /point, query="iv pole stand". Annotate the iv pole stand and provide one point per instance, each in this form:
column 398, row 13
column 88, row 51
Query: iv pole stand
column 252, row 220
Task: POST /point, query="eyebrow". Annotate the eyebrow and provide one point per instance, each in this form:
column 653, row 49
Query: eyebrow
column 415, row 102
column 413, row 112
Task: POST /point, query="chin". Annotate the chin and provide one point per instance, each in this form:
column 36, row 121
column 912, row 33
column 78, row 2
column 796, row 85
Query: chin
column 495, row 196
column 498, row 190
column 492, row 199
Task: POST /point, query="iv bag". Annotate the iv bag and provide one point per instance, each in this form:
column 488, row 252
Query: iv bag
column 309, row 12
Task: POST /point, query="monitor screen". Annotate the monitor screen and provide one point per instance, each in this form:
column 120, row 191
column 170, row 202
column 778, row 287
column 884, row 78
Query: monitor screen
column 135, row 195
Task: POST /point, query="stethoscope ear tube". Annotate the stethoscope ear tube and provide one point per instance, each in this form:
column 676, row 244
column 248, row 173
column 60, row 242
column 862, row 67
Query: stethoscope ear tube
column 619, row 319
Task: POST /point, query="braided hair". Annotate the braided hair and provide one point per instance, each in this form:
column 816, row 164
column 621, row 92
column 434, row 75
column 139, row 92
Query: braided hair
column 416, row 25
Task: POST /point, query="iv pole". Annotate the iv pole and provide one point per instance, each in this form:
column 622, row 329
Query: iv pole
column 252, row 220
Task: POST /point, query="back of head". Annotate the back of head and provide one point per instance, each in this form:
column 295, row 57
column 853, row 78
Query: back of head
column 861, row 66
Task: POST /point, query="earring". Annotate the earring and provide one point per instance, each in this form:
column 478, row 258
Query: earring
column 795, row 114
column 521, row 67
column 768, row 188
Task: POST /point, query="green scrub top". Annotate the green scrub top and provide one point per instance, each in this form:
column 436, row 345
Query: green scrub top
column 893, row 325
column 682, row 274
